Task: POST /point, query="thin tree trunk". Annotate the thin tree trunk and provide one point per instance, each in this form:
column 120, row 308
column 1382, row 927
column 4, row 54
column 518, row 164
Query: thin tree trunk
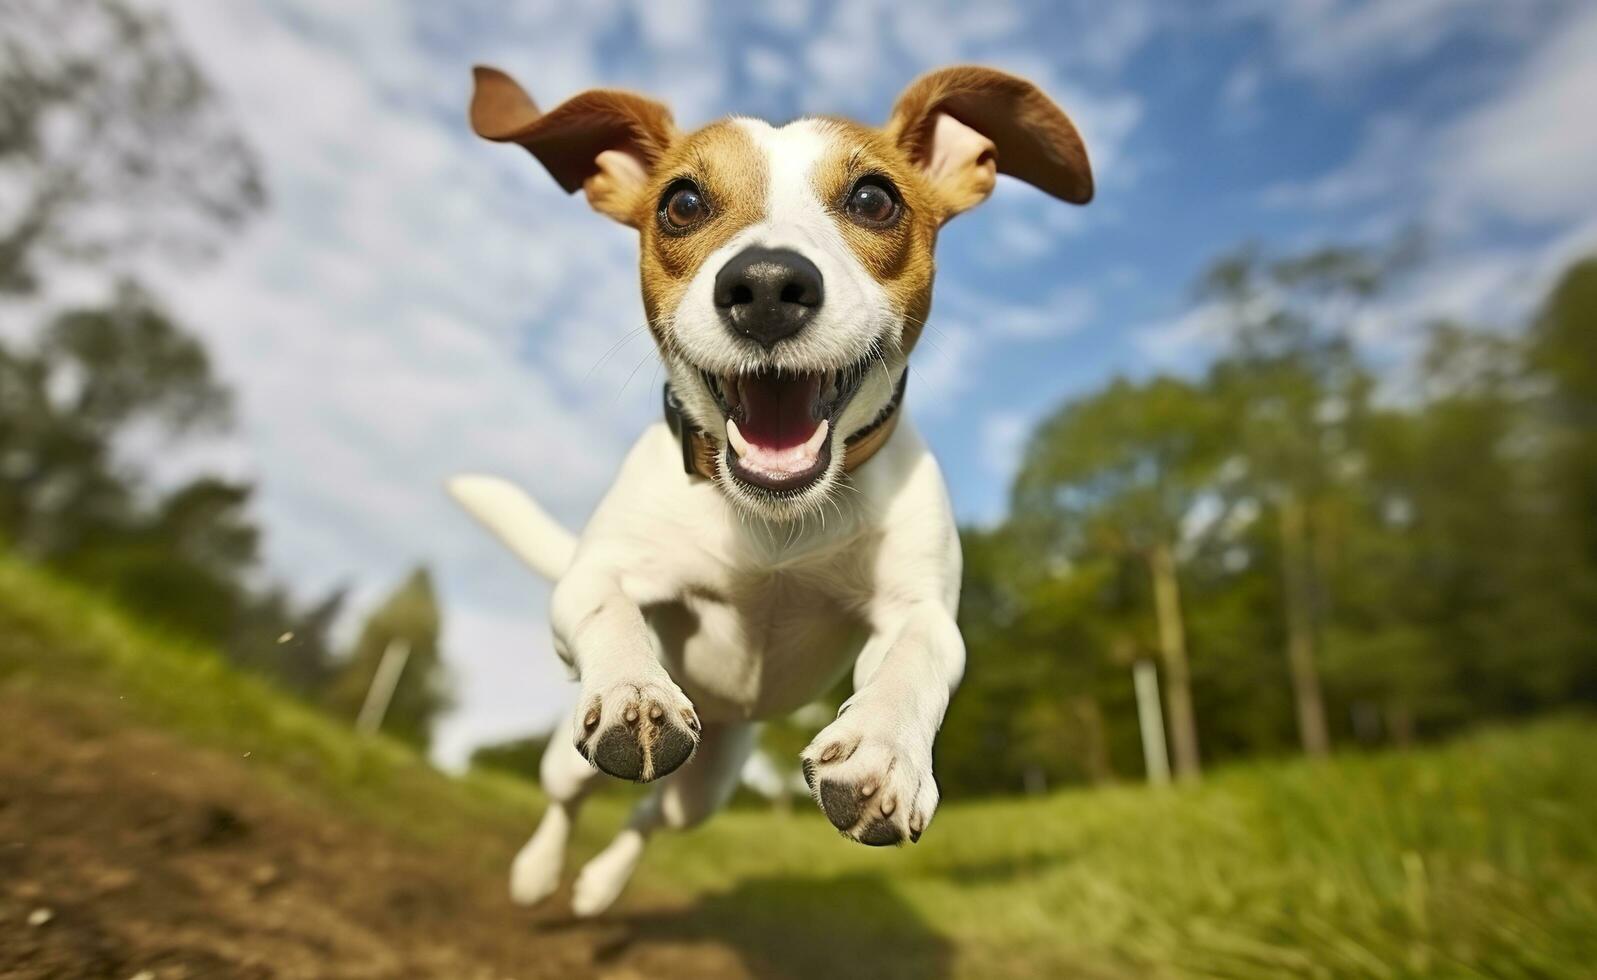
column 1300, row 630
column 1150, row 719
column 1173, row 652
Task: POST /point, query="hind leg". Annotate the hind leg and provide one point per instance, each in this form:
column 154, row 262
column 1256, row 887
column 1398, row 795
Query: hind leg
column 566, row 778
column 685, row 799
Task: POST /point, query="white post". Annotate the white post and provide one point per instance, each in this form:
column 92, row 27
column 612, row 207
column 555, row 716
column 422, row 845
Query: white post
column 384, row 681
column 1146, row 679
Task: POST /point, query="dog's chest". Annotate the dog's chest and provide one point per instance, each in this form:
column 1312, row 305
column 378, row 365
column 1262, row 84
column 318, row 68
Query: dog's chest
column 765, row 642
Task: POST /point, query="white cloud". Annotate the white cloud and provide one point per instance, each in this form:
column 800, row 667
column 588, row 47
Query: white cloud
column 1531, row 152
column 1241, row 89
column 942, row 365
column 1184, row 339
column 1003, row 436
column 1065, row 310
column 949, row 358
column 1381, row 164
column 1519, row 155
column 767, row 67
column 788, row 16
column 672, row 25
column 1333, row 41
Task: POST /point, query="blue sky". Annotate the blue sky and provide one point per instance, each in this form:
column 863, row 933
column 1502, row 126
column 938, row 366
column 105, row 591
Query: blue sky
column 417, row 303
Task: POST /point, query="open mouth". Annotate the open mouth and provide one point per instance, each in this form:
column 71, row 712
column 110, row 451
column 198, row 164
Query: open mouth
column 779, row 423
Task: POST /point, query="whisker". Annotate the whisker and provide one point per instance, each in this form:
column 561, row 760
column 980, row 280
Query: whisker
column 831, row 498
column 937, row 348
column 635, row 370
column 630, row 334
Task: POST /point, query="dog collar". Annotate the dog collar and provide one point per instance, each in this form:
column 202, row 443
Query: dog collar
column 699, row 450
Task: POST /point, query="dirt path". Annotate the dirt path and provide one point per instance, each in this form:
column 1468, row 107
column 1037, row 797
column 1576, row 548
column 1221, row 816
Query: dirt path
column 125, row 854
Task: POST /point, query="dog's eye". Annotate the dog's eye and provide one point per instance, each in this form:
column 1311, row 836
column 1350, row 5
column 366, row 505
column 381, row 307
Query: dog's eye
column 683, row 206
column 873, row 202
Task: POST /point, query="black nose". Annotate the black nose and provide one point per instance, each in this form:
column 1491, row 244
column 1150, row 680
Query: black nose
column 766, row 294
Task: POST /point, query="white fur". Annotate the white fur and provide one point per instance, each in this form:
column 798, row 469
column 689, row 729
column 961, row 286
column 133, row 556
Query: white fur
column 779, row 611
column 703, row 602
column 522, row 525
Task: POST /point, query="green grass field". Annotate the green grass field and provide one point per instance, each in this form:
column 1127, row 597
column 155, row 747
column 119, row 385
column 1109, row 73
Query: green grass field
column 1474, row 859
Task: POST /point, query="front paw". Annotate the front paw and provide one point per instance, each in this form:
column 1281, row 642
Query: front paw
column 873, row 787
column 639, row 730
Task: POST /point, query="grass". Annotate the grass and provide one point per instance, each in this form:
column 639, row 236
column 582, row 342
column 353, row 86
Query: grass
column 1478, row 858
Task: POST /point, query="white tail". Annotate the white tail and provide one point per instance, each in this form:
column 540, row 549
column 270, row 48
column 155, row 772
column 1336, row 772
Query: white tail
column 517, row 520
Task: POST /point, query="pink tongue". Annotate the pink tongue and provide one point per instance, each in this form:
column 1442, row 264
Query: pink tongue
column 776, row 410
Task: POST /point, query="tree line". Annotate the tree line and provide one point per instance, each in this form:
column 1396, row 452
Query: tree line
column 114, row 150
column 1318, row 546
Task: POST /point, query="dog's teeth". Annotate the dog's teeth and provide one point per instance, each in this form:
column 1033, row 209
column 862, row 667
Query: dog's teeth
column 740, row 445
column 813, row 446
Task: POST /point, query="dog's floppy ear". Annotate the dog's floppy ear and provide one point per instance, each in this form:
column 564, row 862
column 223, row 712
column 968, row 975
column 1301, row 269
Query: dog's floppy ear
column 603, row 141
column 963, row 126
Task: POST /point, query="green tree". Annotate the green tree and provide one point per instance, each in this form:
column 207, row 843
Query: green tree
column 1464, row 593
column 1296, row 393
column 67, row 498
column 1049, row 646
column 1563, row 355
column 1119, row 475
column 111, row 141
column 518, row 756
column 409, row 616
column 1563, row 359
column 1429, row 554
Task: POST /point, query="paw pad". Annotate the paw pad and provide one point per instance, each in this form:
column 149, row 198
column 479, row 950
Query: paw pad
column 639, row 739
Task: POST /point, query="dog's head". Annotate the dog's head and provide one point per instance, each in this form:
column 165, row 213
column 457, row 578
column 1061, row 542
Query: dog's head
column 787, row 271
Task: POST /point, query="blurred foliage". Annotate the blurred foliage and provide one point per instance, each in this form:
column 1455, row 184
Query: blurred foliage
column 519, row 756
column 1350, row 566
column 409, row 617
column 113, row 141
column 184, row 555
column 113, row 149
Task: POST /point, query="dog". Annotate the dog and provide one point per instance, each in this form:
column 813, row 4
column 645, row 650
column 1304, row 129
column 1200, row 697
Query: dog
column 784, row 521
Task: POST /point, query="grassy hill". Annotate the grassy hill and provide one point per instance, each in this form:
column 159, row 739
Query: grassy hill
column 1474, row 859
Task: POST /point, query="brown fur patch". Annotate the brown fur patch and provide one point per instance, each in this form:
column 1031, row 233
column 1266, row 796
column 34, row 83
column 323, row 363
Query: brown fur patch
column 899, row 257
column 723, row 160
